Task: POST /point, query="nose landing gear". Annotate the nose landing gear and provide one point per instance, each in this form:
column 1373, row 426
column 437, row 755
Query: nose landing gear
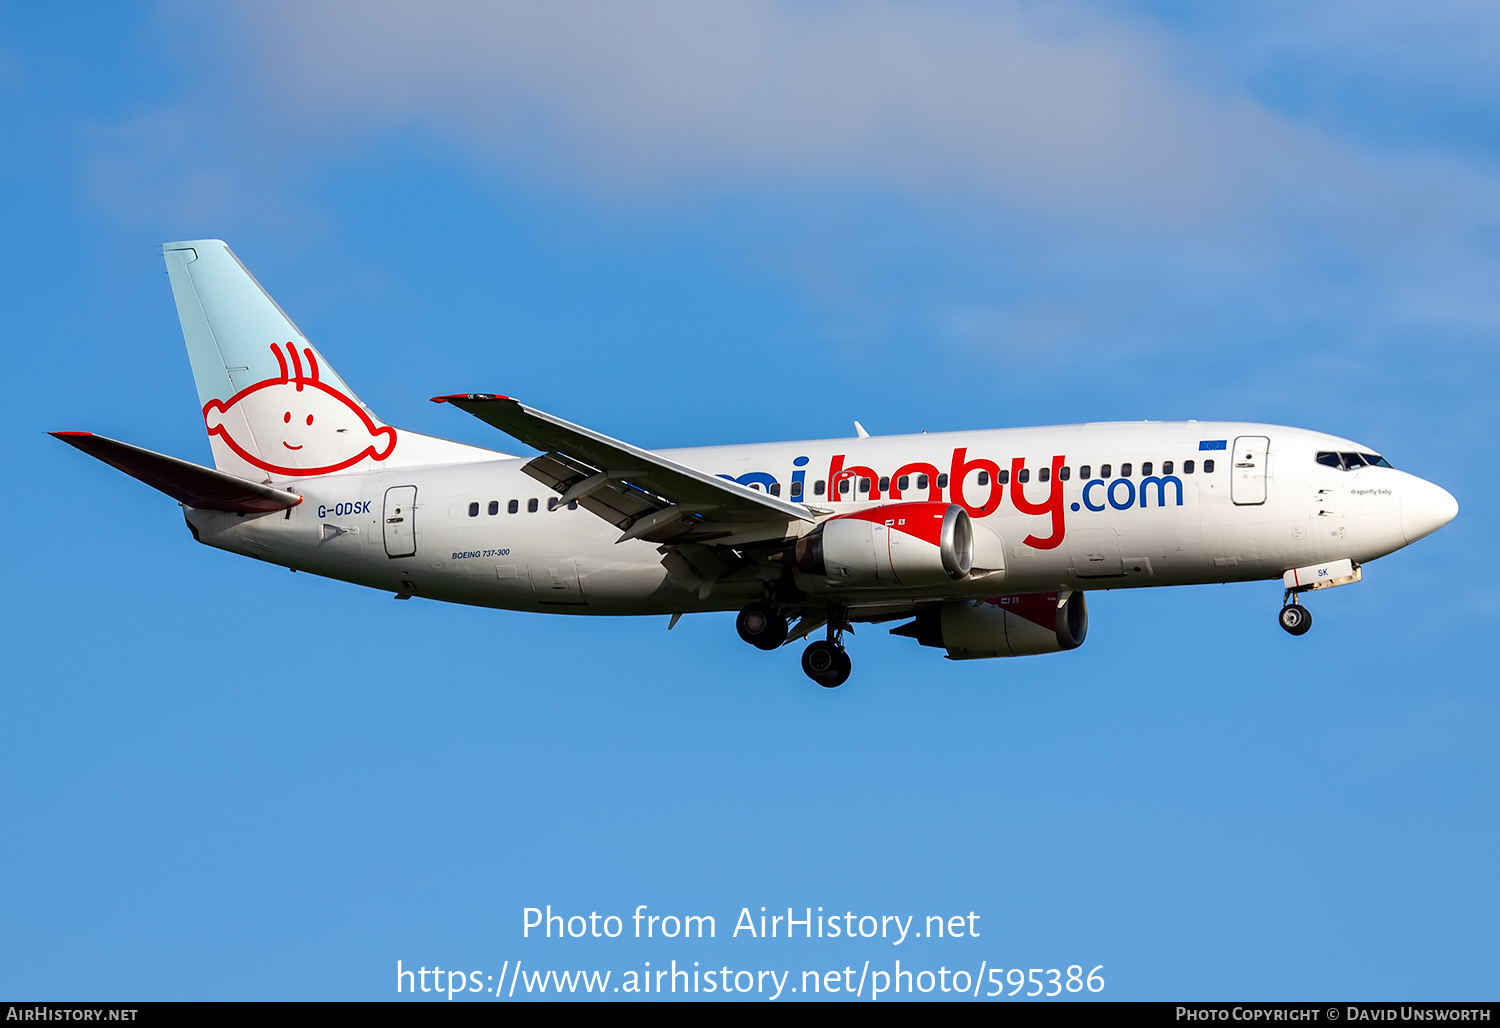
column 1295, row 618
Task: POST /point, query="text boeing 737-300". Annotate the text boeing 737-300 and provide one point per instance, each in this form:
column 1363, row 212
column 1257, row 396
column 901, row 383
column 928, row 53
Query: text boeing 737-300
column 983, row 543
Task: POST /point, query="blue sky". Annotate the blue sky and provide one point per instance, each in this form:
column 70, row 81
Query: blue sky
column 696, row 224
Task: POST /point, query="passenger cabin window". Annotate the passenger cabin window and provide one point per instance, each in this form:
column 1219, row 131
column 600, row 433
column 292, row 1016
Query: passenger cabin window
column 984, row 478
column 572, row 504
column 1187, row 467
column 1004, row 477
column 1146, row 468
column 943, row 481
column 494, row 506
column 1064, row 473
column 904, row 483
column 1208, row 467
column 864, row 485
column 531, row 505
column 1043, row 474
column 775, row 488
column 818, row 487
column 513, row 506
column 1023, row 476
column 1104, row 471
column 1125, row 470
column 1166, row 468
column 885, row 484
column 552, row 503
column 844, row 487
column 473, row 510
column 921, row 481
column 796, row 490
column 1086, row 471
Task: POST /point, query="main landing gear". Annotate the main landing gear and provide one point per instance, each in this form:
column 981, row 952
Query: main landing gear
column 762, row 625
column 1295, row 618
column 826, row 663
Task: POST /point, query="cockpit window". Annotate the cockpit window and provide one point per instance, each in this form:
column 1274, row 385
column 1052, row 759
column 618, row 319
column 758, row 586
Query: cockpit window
column 1352, row 461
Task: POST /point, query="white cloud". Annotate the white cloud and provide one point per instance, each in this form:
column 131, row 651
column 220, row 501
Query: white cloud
column 1057, row 112
column 1037, row 105
column 1127, row 176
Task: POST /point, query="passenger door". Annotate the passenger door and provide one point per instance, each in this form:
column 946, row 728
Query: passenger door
column 1247, row 482
column 400, row 517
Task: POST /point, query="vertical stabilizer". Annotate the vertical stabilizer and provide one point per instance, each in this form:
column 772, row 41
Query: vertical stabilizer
column 273, row 407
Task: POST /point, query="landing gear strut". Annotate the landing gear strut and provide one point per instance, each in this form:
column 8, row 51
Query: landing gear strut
column 1295, row 618
column 762, row 625
column 825, row 661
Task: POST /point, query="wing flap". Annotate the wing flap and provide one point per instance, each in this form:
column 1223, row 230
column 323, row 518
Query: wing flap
column 620, row 507
column 192, row 484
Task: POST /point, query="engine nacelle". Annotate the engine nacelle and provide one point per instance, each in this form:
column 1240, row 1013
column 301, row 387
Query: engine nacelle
column 895, row 544
column 1003, row 626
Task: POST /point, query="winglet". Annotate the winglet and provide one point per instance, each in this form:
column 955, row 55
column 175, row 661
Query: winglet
column 859, row 430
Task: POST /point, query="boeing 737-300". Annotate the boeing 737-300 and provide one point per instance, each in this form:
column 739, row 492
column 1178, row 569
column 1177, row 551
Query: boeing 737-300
column 983, row 543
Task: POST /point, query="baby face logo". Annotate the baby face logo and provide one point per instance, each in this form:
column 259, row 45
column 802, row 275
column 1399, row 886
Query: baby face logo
column 297, row 421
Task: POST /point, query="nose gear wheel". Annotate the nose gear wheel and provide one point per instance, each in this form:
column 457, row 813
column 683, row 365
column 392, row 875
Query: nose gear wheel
column 1296, row 619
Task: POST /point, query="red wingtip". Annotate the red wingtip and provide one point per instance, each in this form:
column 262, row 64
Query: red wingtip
column 471, row 397
column 60, row 435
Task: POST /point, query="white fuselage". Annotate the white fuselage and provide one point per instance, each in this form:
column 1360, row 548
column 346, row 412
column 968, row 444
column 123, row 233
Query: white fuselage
column 1158, row 516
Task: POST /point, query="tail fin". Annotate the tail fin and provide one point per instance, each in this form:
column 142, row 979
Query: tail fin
column 273, row 407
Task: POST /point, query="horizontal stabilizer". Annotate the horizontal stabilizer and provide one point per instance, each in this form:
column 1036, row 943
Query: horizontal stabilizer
column 182, row 480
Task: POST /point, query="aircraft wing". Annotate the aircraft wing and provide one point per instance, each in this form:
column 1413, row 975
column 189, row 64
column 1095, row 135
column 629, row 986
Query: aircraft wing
column 643, row 494
column 192, row 484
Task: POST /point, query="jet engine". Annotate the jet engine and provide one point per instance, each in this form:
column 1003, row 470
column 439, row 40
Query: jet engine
column 1003, row 626
column 895, row 544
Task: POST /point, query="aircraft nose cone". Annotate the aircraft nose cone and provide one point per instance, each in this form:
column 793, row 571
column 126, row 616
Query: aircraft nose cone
column 1425, row 508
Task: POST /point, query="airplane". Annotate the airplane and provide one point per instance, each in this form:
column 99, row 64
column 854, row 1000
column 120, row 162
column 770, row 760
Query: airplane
column 984, row 543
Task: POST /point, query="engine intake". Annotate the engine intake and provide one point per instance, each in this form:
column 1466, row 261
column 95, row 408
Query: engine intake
column 894, row 544
column 1003, row 626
